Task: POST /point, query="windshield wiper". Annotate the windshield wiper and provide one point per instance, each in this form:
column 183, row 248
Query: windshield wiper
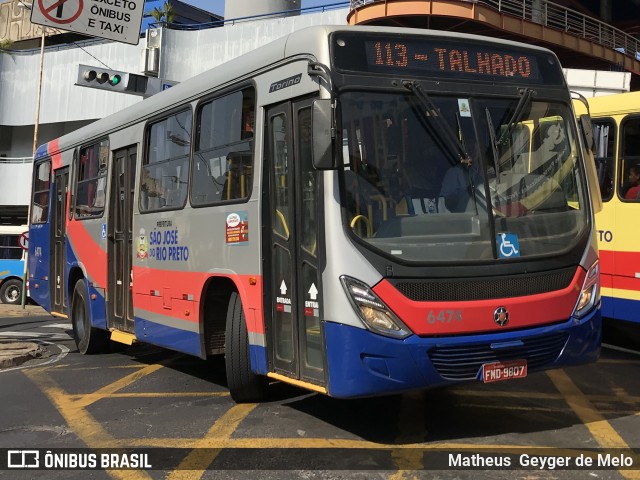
column 446, row 134
column 494, row 144
column 525, row 98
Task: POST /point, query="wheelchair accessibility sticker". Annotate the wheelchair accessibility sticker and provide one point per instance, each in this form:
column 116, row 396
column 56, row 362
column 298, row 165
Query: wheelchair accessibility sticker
column 508, row 245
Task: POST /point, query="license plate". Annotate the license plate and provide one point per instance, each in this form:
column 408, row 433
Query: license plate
column 500, row 371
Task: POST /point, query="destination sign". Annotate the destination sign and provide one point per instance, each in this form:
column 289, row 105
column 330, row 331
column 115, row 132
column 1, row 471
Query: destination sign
column 471, row 60
column 431, row 56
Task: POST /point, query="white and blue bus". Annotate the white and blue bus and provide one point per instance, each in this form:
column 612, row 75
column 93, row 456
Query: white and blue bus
column 346, row 209
column 12, row 260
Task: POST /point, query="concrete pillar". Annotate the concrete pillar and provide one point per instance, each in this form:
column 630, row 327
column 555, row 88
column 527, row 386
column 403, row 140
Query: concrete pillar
column 246, row 8
column 537, row 12
column 606, row 10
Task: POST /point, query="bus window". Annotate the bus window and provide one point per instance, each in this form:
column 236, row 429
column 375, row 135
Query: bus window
column 281, row 220
column 41, row 189
column 165, row 167
column 91, row 180
column 223, row 159
column 309, row 183
column 630, row 160
column 604, row 134
column 9, row 247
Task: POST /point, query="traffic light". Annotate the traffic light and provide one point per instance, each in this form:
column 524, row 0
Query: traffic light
column 102, row 78
column 117, row 81
column 113, row 79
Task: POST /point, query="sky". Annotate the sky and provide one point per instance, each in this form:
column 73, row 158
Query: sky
column 217, row 6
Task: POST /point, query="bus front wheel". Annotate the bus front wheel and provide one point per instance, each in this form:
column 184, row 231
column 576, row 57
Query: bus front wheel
column 11, row 291
column 88, row 339
column 244, row 385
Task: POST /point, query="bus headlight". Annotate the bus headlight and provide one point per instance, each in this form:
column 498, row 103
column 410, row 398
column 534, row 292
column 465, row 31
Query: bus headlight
column 590, row 293
column 373, row 312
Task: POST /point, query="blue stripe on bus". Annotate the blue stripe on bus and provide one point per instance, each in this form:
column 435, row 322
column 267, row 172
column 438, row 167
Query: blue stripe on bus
column 258, row 359
column 361, row 363
column 97, row 307
column 39, row 261
column 621, row 309
column 168, row 337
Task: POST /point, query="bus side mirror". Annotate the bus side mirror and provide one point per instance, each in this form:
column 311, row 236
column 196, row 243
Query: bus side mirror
column 321, row 131
column 587, row 132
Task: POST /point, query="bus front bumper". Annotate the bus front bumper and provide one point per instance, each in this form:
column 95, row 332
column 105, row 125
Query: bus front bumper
column 362, row 363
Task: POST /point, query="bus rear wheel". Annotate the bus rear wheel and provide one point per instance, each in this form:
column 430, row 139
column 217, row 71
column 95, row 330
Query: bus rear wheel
column 88, row 339
column 11, row 292
column 244, row 385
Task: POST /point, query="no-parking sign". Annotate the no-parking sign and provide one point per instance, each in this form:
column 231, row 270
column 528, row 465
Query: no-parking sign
column 23, row 241
column 118, row 20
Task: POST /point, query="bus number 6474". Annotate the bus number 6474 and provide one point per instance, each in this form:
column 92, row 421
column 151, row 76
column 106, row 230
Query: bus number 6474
column 444, row 316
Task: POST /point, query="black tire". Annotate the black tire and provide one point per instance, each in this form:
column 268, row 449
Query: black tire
column 244, row 385
column 88, row 339
column 11, row 292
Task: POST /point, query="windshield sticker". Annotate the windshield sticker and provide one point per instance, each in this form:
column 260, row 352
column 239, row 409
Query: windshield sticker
column 237, row 228
column 508, row 245
column 463, row 107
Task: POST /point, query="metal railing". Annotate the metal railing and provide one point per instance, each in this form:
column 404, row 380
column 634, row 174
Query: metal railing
column 16, row 160
column 558, row 17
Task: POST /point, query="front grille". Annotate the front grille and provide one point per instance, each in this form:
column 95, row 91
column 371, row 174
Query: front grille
column 464, row 289
column 464, row 362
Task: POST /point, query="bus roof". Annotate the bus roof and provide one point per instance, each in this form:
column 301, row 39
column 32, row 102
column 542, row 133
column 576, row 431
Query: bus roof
column 616, row 104
column 309, row 41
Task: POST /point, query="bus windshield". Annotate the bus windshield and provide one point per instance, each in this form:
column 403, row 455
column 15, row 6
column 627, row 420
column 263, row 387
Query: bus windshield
column 445, row 178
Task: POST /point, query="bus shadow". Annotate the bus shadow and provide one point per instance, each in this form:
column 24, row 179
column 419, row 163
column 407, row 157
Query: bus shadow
column 453, row 414
column 441, row 415
column 211, row 370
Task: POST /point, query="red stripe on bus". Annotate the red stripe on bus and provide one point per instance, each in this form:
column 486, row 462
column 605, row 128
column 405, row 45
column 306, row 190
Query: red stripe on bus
column 625, row 283
column 179, row 285
column 457, row 317
column 626, row 264
column 56, row 158
column 88, row 252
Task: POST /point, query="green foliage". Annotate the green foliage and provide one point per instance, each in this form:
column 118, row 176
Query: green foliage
column 5, row 44
column 164, row 15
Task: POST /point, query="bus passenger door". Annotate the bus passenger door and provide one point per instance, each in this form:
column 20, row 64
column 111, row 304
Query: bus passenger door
column 293, row 289
column 59, row 231
column 119, row 235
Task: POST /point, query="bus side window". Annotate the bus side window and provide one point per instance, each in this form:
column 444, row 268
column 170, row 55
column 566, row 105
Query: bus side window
column 9, row 247
column 223, row 156
column 630, row 160
column 41, row 192
column 91, row 180
column 165, row 170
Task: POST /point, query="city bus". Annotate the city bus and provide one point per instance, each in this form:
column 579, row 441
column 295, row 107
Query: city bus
column 344, row 209
column 12, row 260
column 616, row 127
